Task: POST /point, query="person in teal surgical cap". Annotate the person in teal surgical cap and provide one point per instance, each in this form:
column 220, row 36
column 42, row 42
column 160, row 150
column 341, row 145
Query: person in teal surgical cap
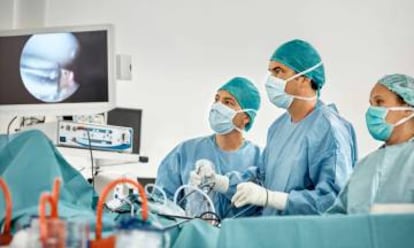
column 386, row 176
column 234, row 110
column 310, row 150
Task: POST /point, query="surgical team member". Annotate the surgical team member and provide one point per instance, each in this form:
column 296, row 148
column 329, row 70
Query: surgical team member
column 387, row 174
column 310, row 150
column 233, row 112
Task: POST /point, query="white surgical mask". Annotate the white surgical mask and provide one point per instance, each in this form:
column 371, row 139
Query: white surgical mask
column 221, row 118
column 275, row 88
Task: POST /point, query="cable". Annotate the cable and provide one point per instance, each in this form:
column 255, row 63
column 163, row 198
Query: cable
column 91, row 155
column 210, row 202
column 228, row 210
column 166, row 228
column 251, row 179
column 243, row 211
column 132, row 211
column 170, row 216
column 29, row 121
column 8, row 127
column 238, row 214
column 204, row 216
column 21, row 124
column 207, row 185
column 33, row 120
column 214, row 220
column 151, row 194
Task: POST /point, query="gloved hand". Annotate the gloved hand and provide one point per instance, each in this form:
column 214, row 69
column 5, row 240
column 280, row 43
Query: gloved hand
column 251, row 193
column 205, row 173
column 195, row 179
column 205, row 169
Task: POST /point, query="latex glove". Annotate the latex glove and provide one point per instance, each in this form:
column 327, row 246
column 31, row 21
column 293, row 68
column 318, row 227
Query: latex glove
column 202, row 173
column 251, row 193
column 195, row 179
column 205, row 169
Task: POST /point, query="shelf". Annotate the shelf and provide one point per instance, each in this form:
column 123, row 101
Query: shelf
column 101, row 158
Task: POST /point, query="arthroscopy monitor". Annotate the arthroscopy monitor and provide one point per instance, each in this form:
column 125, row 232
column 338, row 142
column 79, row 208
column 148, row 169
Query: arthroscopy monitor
column 61, row 70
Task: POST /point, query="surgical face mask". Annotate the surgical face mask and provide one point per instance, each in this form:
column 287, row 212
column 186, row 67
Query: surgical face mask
column 275, row 88
column 378, row 127
column 221, row 118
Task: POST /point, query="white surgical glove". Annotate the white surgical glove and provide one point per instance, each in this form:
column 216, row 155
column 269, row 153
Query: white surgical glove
column 195, row 179
column 221, row 183
column 205, row 169
column 250, row 193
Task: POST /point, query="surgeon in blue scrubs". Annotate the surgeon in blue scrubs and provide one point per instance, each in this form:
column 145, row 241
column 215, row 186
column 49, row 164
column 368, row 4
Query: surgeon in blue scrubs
column 310, row 150
column 385, row 176
column 233, row 112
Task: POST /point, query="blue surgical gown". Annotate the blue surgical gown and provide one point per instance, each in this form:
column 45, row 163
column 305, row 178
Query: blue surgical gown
column 310, row 159
column 175, row 169
column 384, row 176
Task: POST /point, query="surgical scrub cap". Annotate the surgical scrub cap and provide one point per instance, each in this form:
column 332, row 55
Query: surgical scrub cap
column 299, row 56
column 401, row 85
column 246, row 95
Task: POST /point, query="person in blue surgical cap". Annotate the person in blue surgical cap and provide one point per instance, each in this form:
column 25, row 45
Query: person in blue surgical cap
column 233, row 111
column 310, row 150
column 386, row 176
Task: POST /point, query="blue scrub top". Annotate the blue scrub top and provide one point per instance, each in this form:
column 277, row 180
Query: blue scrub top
column 311, row 160
column 386, row 176
column 175, row 169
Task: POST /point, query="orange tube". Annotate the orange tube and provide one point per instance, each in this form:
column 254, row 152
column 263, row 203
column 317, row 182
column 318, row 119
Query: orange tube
column 52, row 199
column 44, row 198
column 55, row 197
column 105, row 192
column 7, row 197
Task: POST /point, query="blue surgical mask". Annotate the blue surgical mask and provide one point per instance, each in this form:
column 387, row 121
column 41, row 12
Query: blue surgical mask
column 221, row 118
column 275, row 88
column 377, row 125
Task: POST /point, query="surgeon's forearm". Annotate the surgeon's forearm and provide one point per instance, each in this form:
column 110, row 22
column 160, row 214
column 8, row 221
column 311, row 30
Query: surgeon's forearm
column 309, row 201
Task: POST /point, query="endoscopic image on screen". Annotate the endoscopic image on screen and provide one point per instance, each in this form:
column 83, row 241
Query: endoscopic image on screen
column 46, row 66
column 55, row 67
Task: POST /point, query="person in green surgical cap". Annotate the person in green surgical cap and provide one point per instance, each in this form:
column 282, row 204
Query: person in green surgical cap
column 310, row 150
column 234, row 110
column 386, row 176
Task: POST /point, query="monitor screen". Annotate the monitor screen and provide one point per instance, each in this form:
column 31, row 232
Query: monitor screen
column 63, row 71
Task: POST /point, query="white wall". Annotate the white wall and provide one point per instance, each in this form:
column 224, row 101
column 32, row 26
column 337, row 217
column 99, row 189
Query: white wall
column 6, row 14
column 29, row 13
column 183, row 50
column 22, row 13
